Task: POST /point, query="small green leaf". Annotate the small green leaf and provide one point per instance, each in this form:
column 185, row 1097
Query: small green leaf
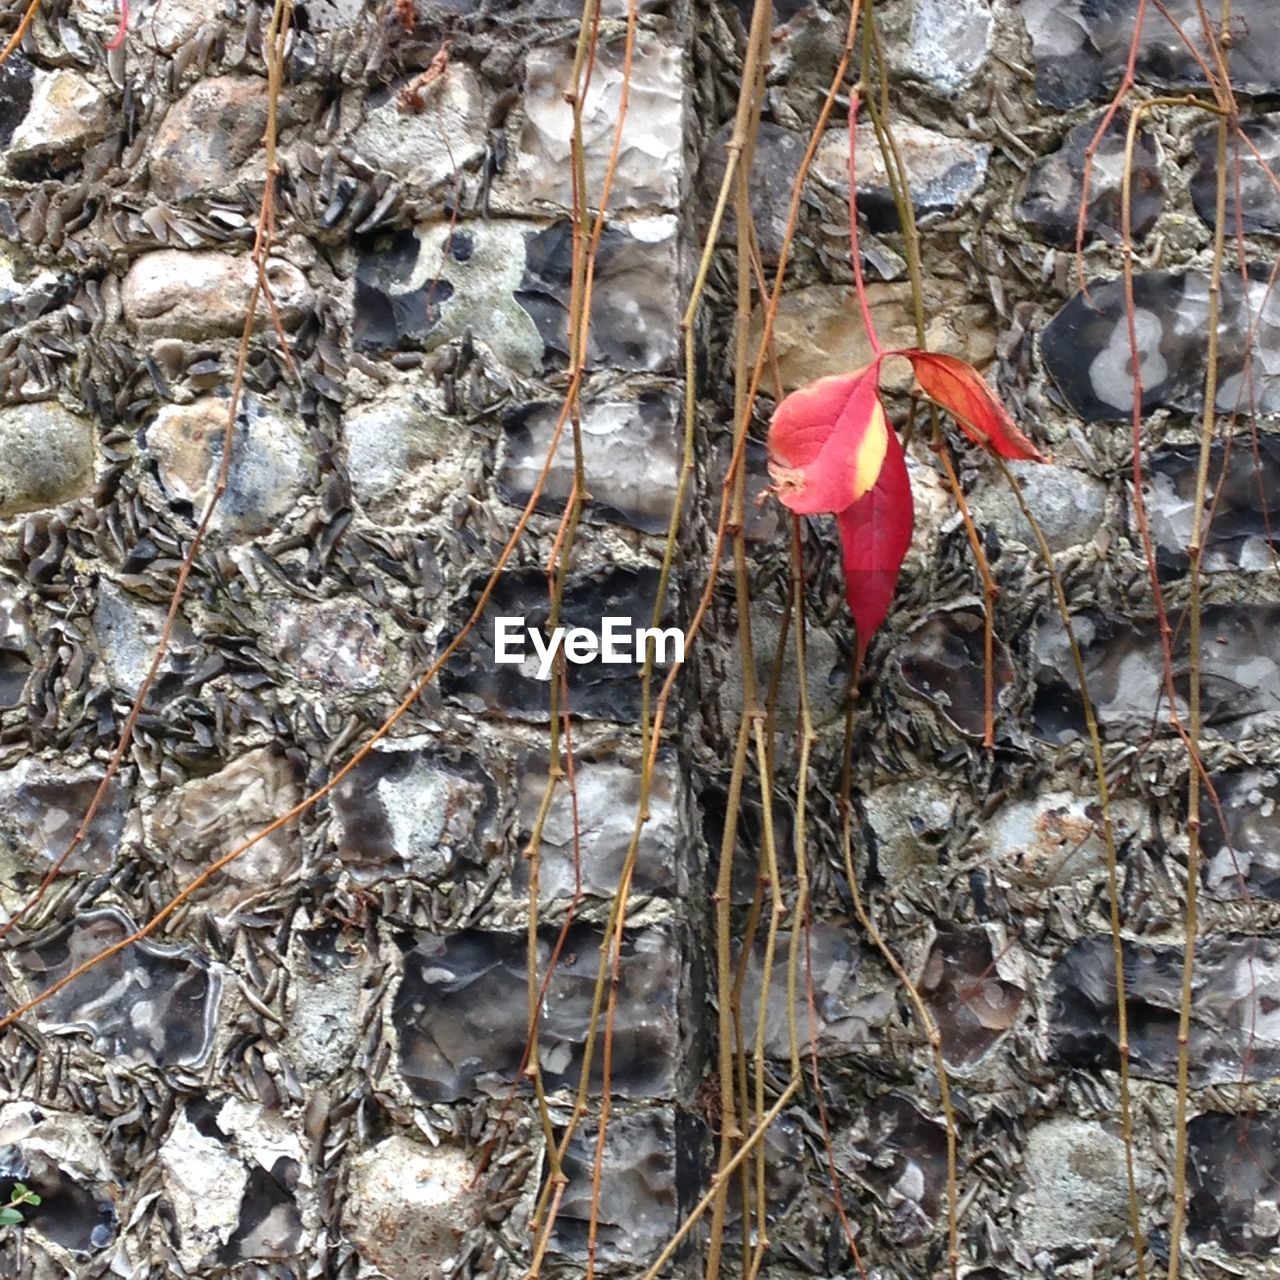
column 9, row 1217
column 29, row 1197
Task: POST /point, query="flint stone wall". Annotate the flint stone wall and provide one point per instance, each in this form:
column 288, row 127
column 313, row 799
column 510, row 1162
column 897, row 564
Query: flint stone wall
column 308, row 1072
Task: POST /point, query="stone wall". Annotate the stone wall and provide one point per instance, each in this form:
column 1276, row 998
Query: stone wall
column 310, row 1069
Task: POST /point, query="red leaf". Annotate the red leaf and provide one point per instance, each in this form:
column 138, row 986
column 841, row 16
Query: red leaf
column 875, row 533
column 827, row 442
column 963, row 392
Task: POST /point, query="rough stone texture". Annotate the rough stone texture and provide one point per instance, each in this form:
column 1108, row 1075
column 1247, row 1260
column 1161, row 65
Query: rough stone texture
column 204, row 295
column 1076, row 1184
column 272, row 462
column 313, row 1067
column 66, row 113
column 649, row 163
column 207, row 135
column 1081, row 49
column 427, row 146
column 944, row 172
column 46, row 456
column 818, row 330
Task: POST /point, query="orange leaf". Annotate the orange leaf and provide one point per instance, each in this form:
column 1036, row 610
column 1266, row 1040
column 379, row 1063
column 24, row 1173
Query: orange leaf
column 963, row 392
column 827, row 442
column 875, row 533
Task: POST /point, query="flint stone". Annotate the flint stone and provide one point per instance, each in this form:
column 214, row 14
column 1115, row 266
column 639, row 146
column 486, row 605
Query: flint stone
column 17, row 646
column 911, row 823
column 239, row 1183
column 1081, row 47
column 944, row 172
column 60, row 1154
column 408, row 1205
column 207, row 136
column 67, row 113
column 126, row 632
column 23, row 300
column 1087, row 351
column 432, row 284
column 1234, row 1174
column 507, row 284
column 1242, row 858
column 818, row 330
column 852, row 1002
column 42, row 805
column 589, row 831
column 326, row 977
column 152, row 1003
column 1077, row 1186
column 272, row 461
column 334, row 644
column 650, row 1171
column 174, row 293
column 1053, row 839
column 1125, row 673
column 406, row 457
column 16, row 76
column 462, row 1024
column 777, row 161
column 1068, row 504
column 163, row 25
column 200, row 821
column 412, row 810
column 1252, row 201
column 902, row 1156
column 427, row 147
column 1245, row 528
column 1051, row 199
column 597, row 690
column 46, row 456
column 948, row 43
column 650, row 155
column 942, row 661
column 631, row 453
column 635, row 316
column 1235, row 1027
column 964, row 985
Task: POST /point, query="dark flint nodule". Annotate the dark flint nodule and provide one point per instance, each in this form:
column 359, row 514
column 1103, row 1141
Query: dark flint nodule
column 634, row 321
column 942, row 660
column 1233, row 1035
column 16, row 75
column 389, row 317
column 414, row 810
column 650, row 1170
column 1080, row 47
column 1240, row 674
column 1233, row 1166
column 1051, row 200
column 902, row 1156
column 1253, row 203
column 972, row 1005
column 1245, row 479
column 151, row 1003
column 460, row 1017
column 1242, row 858
column 597, row 691
column 1088, row 352
column 79, row 1217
